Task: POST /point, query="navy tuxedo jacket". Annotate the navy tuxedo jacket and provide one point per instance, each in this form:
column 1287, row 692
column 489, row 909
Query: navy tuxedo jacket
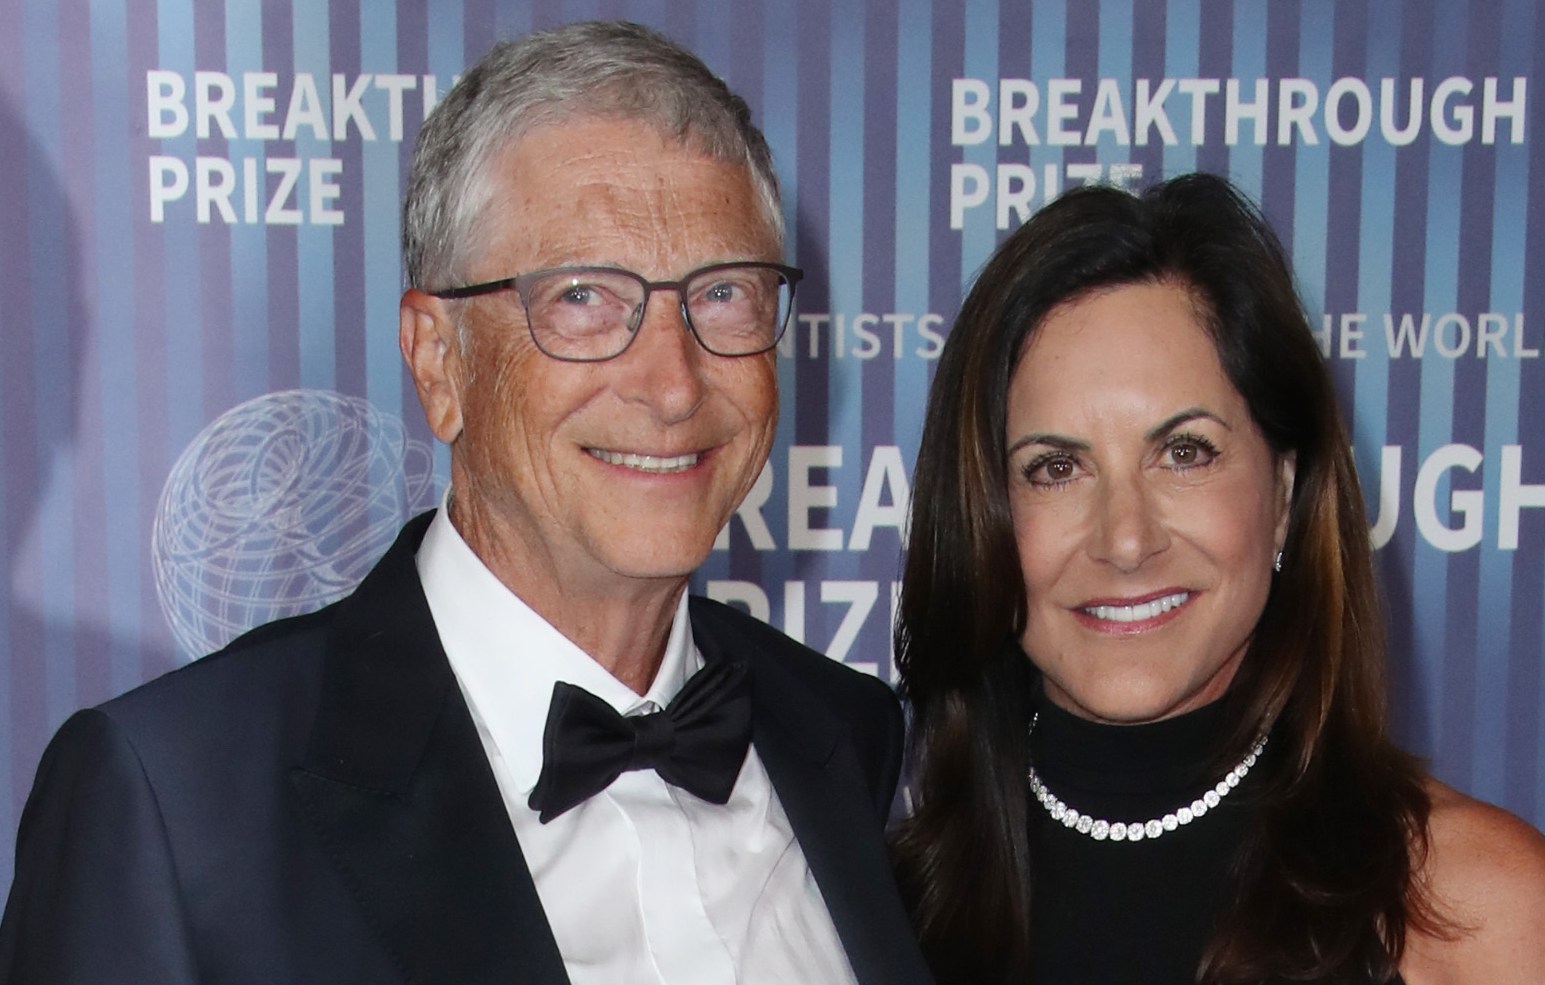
column 313, row 805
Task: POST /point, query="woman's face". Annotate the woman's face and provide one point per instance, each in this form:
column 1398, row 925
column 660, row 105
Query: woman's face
column 1147, row 506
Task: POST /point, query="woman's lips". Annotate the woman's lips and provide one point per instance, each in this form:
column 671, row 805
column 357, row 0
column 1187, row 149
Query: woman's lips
column 1134, row 615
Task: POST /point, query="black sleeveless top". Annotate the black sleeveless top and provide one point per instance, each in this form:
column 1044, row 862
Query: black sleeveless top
column 1131, row 913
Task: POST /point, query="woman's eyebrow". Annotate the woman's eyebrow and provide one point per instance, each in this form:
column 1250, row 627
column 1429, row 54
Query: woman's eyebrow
column 1189, row 414
column 1060, row 441
column 1164, row 427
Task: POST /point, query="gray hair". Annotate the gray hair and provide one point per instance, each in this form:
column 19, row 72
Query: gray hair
column 602, row 69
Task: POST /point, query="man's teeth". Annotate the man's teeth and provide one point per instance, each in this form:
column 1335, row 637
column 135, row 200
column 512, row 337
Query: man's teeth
column 1137, row 613
column 646, row 463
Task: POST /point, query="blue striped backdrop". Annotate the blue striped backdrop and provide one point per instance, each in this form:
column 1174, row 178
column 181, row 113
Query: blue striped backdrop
column 126, row 337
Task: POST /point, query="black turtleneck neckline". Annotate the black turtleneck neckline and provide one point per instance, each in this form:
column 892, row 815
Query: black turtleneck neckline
column 1150, row 769
column 1123, row 911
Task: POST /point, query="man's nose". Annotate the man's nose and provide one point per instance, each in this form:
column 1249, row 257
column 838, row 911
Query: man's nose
column 664, row 364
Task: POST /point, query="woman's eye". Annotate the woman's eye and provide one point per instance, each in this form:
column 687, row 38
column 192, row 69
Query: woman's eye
column 1051, row 470
column 1189, row 451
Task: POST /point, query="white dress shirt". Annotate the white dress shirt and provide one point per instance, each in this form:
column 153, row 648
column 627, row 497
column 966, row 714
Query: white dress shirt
column 642, row 883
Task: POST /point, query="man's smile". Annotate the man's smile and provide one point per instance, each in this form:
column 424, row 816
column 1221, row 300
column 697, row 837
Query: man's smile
column 656, row 464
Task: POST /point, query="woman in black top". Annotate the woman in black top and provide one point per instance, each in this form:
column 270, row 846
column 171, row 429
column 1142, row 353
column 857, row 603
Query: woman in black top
column 1133, row 472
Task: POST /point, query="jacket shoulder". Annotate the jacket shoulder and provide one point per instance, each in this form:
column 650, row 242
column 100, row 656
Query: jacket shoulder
column 819, row 670
column 866, row 705
column 266, row 675
column 820, row 695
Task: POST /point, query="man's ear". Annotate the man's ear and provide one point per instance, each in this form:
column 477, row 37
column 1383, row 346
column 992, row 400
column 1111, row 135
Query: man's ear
column 426, row 333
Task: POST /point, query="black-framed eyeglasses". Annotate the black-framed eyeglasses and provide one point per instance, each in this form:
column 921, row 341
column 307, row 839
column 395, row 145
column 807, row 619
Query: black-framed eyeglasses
column 587, row 314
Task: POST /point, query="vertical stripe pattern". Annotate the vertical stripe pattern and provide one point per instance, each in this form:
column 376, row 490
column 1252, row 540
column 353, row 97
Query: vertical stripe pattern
column 204, row 214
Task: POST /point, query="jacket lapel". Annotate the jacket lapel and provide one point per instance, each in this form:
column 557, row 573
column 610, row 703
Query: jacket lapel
column 811, row 762
column 398, row 786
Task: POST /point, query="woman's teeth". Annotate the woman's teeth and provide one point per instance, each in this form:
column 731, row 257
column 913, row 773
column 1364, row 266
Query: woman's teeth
column 1137, row 613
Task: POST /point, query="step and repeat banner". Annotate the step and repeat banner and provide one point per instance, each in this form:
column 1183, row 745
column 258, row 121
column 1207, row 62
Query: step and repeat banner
column 206, row 423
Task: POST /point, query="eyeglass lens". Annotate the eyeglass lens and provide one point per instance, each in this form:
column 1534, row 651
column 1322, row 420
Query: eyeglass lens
column 589, row 313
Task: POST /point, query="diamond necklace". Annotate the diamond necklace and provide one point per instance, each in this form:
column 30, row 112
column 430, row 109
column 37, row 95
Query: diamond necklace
column 1102, row 830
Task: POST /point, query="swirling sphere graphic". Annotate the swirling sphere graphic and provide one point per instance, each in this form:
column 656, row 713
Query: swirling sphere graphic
column 278, row 507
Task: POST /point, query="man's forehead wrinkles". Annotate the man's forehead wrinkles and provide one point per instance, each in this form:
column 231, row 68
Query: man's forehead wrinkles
column 645, row 233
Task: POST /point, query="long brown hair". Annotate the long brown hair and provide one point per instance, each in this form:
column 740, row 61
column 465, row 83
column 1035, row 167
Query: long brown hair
column 1325, row 885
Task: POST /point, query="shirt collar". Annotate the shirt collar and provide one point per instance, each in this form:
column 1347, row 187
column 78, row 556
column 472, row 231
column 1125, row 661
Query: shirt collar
column 507, row 658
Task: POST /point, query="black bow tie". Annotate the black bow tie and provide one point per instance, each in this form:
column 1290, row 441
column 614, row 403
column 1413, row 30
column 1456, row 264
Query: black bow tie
column 698, row 743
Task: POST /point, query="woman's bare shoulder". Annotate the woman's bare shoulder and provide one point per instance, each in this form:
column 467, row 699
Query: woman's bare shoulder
column 1485, row 870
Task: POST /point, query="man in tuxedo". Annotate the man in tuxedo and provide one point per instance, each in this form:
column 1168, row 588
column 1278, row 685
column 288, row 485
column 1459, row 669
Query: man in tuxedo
column 518, row 752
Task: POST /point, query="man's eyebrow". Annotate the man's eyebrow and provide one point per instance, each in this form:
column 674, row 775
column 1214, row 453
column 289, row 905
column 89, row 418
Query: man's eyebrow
column 1189, row 414
column 1060, row 441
